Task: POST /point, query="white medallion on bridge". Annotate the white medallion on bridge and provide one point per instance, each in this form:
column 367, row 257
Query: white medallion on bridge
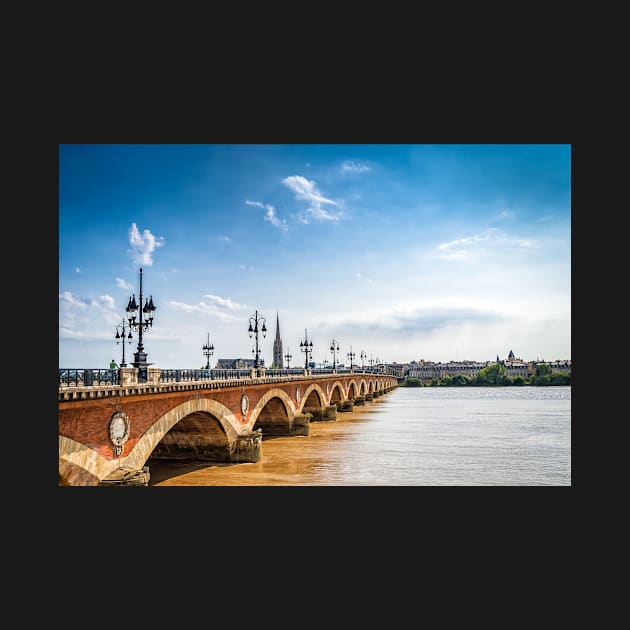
column 119, row 426
column 244, row 404
column 297, row 394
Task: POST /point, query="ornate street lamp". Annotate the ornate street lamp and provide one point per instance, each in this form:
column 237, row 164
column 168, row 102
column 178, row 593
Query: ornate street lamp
column 306, row 347
column 287, row 358
column 363, row 357
column 208, row 349
column 145, row 309
column 120, row 334
column 256, row 319
column 334, row 348
column 351, row 356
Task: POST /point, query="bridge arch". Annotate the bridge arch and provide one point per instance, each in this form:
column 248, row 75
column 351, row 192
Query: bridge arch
column 79, row 465
column 313, row 398
column 205, row 424
column 199, row 435
column 337, row 394
column 273, row 414
column 314, row 403
column 78, row 461
column 352, row 390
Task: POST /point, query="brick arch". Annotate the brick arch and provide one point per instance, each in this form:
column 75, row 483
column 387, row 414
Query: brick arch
column 80, row 461
column 353, row 390
column 79, row 465
column 151, row 438
column 317, row 391
column 199, row 435
column 289, row 405
column 372, row 387
column 337, row 386
column 274, row 414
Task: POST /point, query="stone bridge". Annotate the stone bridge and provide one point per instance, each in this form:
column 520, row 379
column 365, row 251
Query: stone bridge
column 107, row 433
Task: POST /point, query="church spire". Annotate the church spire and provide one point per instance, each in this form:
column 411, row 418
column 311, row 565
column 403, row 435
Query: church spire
column 277, row 346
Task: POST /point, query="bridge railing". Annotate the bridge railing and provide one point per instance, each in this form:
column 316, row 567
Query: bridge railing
column 179, row 376
column 284, row 371
column 87, row 377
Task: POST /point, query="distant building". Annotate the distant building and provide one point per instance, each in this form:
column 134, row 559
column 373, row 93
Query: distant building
column 277, row 346
column 514, row 366
column 556, row 366
column 431, row 369
column 236, row 364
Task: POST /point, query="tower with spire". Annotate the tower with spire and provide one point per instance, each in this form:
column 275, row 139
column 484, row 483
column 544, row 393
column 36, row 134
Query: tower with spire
column 277, row 346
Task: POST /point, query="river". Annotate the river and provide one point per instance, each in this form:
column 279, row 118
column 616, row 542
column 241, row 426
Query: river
column 425, row 436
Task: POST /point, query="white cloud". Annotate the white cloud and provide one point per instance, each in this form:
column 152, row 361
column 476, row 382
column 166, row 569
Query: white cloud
column 123, row 284
column 354, row 167
column 222, row 308
column 86, row 318
column 78, row 269
column 306, row 190
column 105, row 301
column 69, row 300
column 143, row 245
column 463, row 248
column 224, row 238
column 270, row 215
column 217, row 300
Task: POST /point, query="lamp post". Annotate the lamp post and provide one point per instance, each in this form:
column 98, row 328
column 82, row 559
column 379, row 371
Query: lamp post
column 145, row 309
column 288, row 358
column 208, row 349
column 325, row 363
column 120, row 334
column 371, row 362
column 334, row 348
column 351, row 356
column 256, row 319
column 363, row 357
column 306, row 347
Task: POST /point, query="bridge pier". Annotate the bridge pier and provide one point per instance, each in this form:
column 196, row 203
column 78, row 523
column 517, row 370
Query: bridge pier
column 286, row 427
column 316, row 413
column 369, row 397
column 346, row 405
column 359, row 400
column 246, row 448
column 127, row 477
column 301, row 424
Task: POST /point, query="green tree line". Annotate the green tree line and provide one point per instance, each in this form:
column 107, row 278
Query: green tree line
column 495, row 375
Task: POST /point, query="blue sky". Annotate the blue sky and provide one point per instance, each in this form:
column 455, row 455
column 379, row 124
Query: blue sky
column 405, row 252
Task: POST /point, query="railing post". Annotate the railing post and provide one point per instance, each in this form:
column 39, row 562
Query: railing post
column 128, row 376
column 88, row 377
